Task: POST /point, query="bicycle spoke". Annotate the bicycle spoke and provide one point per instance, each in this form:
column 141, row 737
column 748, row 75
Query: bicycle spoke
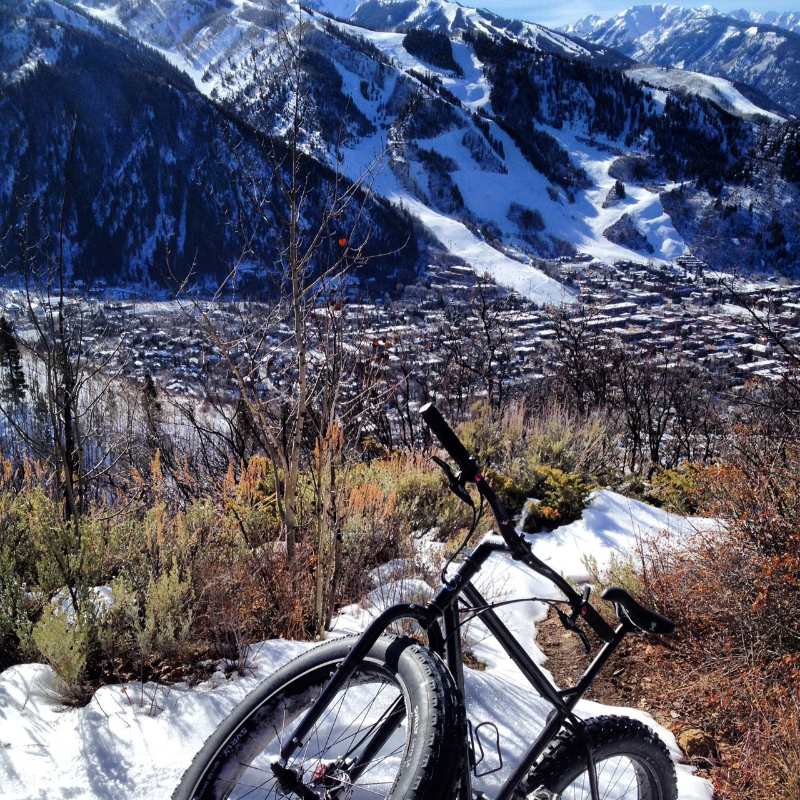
column 358, row 724
column 616, row 778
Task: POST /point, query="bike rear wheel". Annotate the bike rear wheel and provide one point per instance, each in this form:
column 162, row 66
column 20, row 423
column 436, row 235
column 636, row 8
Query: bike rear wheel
column 631, row 760
column 395, row 730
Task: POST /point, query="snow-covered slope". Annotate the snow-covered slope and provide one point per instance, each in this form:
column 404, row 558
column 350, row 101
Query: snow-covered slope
column 223, row 47
column 501, row 140
column 135, row 741
column 720, row 91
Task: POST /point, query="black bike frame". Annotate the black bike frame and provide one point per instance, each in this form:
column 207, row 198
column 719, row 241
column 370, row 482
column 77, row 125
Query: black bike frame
column 444, row 605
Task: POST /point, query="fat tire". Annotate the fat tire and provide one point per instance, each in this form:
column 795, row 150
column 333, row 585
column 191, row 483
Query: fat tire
column 610, row 736
column 434, row 750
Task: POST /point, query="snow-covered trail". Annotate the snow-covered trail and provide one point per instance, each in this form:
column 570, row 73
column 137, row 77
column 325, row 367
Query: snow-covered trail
column 134, row 743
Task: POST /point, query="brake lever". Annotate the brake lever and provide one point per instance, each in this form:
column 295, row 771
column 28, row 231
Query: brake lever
column 454, row 482
column 569, row 625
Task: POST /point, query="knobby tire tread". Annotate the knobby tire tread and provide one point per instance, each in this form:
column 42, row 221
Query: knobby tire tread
column 610, row 735
column 439, row 769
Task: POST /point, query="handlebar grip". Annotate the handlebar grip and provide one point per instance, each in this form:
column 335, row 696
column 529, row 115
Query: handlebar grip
column 449, row 441
column 597, row 623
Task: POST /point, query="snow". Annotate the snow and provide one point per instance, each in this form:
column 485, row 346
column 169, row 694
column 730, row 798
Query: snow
column 474, row 90
column 135, row 741
column 129, row 741
column 718, row 90
column 107, row 15
column 610, row 525
column 484, row 258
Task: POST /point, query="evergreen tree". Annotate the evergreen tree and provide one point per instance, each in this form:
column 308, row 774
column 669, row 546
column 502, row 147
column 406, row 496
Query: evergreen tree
column 13, row 377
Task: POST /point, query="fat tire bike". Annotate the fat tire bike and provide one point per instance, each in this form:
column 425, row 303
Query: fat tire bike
column 379, row 715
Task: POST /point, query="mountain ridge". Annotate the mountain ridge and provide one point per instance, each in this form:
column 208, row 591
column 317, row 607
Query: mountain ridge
column 503, row 151
column 739, row 47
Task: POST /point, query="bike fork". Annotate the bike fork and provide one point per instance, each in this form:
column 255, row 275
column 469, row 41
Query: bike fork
column 347, row 667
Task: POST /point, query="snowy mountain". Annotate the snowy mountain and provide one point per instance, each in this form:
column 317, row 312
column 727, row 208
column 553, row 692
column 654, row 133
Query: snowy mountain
column 454, row 19
column 498, row 143
column 787, row 19
column 762, row 52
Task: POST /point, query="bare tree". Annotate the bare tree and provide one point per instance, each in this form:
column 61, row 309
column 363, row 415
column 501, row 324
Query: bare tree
column 71, row 383
column 292, row 369
column 74, row 421
column 584, row 368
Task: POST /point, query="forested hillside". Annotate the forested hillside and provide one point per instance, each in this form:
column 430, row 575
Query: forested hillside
column 153, row 180
column 162, row 159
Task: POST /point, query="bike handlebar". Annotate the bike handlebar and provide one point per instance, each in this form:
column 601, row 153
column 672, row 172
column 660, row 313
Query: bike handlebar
column 449, row 441
column 519, row 547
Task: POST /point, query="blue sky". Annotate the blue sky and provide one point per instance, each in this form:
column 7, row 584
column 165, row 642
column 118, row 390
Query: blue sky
column 553, row 14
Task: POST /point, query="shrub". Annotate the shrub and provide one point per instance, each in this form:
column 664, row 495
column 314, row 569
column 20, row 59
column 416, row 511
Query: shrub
column 733, row 591
column 511, row 494
column 387, row 501
column 40, row 554
column 244, row 597
column 565, row 440
column 167, row 615
column 677, row 490
column 495, row 440
column 623, row 570
column 15, row 604
column 419, row 498
column 64, row 643
column 561, row 497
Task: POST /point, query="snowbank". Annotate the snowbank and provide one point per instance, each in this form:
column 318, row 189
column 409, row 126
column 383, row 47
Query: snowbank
column 611, row 524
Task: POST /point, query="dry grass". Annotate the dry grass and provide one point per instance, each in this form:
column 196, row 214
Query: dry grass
column 734, row 664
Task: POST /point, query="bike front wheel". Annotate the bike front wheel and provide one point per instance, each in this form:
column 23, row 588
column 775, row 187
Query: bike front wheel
column 632, row 763
column 395, row 730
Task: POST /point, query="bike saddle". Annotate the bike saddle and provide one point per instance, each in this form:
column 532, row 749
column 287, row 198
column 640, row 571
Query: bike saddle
column 639, row 616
